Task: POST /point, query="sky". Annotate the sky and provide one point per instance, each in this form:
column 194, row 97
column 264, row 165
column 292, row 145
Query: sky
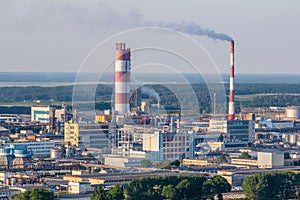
column 57, row 35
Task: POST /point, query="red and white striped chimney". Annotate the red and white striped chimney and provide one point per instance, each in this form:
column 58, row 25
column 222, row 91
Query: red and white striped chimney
column 122, row 78
column 231, row 87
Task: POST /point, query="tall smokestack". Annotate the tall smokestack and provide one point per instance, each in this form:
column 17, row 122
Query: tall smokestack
column 231, row 87
column 122, row 78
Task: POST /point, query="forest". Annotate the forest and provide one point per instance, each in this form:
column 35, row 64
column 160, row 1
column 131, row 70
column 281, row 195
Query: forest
column 167, row 187
column 272, row 185
column 251, row 95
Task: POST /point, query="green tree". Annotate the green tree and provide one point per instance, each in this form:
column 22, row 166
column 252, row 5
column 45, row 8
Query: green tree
column 296, row 183
column 223, row 159
column 41, row 194
column 22, row 196
column 287, row 155
column 297, row 163
column 139, row 188
column 216, row 186
column 270, row 185
column 146, row 163
column 220, row 185
column 169, row 192
column 99, row 194
column 35, row 194
column 184, row 189
column 166, row 187
column 175, row 162
column 245, row 155
column 286, row 187
column 115, row 193
column 197, row 183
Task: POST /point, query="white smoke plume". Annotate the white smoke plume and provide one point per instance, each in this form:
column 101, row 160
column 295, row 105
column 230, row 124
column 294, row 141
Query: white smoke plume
column 195, row 29
column 57, row 27
column 150, row 91
column 192, row 28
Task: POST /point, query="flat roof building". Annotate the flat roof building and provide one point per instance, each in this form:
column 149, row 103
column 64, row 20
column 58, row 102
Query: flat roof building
column 270, row 159
column 170, row 146
column 238, row 133
column 40, row 113
column 87, row 135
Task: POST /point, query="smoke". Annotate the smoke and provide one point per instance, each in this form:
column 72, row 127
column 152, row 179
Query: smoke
column 150, row 91
column 195, row 29
column 137, row 19
column 60, row 27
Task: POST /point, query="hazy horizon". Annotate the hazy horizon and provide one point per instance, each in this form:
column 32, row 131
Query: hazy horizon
column 9, row 79
column 43, row 36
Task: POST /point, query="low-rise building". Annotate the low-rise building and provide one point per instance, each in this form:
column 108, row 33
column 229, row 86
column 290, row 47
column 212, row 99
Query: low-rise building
column 234, row 179
column 170, row 146
column 269, row 123
column 118, row 161
column 270, row 159
column 40, row 113
column 118, row 178
column 7, row 193
column 243, row 161
column 195, row 162
column 38, row 149
column 80, row 188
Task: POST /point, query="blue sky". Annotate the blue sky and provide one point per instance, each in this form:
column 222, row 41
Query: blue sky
column 56, row 35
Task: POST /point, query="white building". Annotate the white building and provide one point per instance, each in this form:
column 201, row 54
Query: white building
column 80, row 188
column 146, row 155
column 4, row 176
column 38, row 149
column 40, row 113
column 170, row 146
column 269, row 123
column 119, row 161
column 6, row 193
column 270, row 159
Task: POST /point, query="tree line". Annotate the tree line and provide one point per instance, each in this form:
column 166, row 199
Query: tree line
column 166, row 187
column 35, row 194
column 168, row 99
column 272, row 186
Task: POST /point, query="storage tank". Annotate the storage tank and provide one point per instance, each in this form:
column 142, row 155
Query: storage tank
column 293, row 112
column 56, row 153
column 20, row 153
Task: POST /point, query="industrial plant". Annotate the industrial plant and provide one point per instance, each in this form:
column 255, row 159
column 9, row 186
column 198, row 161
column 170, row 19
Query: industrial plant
column 60, row 149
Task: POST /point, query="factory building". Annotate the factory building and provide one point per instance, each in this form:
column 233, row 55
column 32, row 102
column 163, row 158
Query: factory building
column 118, row 161
column 170, row 146
column 129, row 137
column 87, row 135
column 61, row 114
column 38, row 149
column 269, row 123
column 153, row 144
column 40, row 113
column 15, row 156
column 79, row 188
column 270, row 159
column 238, row 133
column 135, row 100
